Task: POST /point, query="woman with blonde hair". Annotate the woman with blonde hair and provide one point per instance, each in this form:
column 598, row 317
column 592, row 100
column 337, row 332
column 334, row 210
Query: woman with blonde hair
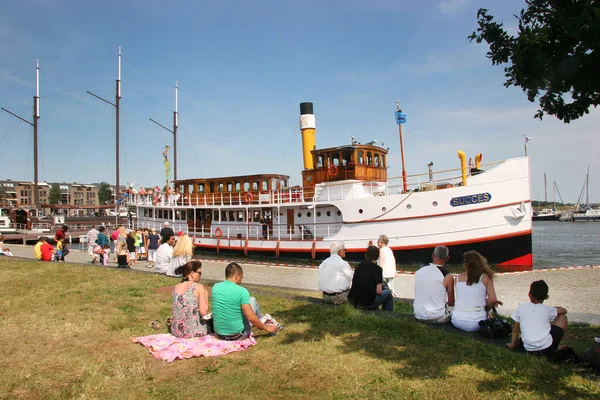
column 182, row 253
column 475, row 293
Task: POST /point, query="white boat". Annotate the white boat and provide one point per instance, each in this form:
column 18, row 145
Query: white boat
column 346, row 196
column 589, row 215
column 6, row 225
column 547, row 214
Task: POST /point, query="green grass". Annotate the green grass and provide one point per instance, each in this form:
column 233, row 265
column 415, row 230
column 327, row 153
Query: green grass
column 65, row 333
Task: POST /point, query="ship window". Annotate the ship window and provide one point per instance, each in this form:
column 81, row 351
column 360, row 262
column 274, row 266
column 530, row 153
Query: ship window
column 347, row 157
column 255, row 185
column 284, row 183
column 299, row 215
column 383, row 160
column 212, row 187
column 339, row 213
column 223, row 215
column 238, row 186
column 360, row 211
column 329, row 213
column 361, row 159
column 369, row 158
column 383, row 209
column 408, row 206
column 178, row 214
column 159, row 214
column 319, row 161
column 318, row 213
column 308, row 214
column 231, row 215
column 376, row 160
column 246, row 186
column 435, row 203
column 230, row 187
column 336, row 159
column 201, row 187
column 274, row 183
column 220, row 187
column 256, row 217
column 216, row 215
column 265, row 185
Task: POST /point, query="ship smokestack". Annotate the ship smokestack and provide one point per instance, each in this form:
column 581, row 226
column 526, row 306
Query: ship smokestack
column 307, row 127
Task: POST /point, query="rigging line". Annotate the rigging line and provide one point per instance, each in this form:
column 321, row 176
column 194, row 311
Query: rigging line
column 75, row 89
column 51, row 66
column 193, row 150
column 289, row 144
column 252, row 130
column 148, row 97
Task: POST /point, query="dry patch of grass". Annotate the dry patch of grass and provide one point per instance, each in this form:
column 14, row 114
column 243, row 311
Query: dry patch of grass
column 65, row 333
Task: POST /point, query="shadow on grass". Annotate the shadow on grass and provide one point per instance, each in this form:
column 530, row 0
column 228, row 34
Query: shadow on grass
column 425, row 353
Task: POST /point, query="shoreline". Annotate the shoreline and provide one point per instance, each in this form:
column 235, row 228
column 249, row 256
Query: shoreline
column 574, row 288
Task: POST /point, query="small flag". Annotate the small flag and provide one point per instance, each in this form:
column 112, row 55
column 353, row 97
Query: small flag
column 527, row 138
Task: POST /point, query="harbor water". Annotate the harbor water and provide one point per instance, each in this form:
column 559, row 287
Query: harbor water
column 565, row 244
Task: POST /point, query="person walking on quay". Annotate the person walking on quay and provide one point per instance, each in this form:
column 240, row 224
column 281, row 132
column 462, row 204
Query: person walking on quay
column 335, row 275
column 434, row 289
column 102, row 240
column 91, row 237
column 166, row 232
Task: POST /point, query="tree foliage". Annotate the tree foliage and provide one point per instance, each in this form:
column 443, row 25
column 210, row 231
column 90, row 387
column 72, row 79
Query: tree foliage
column 54, row 195
column 555, row 55
column 104, row 193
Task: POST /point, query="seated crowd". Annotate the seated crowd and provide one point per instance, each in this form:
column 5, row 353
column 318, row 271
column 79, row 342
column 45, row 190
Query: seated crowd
column 441, row 298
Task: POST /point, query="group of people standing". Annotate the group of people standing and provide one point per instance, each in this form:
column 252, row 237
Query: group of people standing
column 440, row 297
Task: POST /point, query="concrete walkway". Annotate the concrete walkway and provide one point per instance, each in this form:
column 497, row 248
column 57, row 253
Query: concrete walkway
column 576, row 290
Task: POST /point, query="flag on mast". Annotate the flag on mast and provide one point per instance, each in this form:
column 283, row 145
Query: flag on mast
column 527, row 138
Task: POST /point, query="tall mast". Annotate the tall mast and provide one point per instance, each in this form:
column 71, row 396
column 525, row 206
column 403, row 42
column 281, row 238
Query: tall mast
column 173, row 131
column 587, row 187
column 545, row 189
column 175, row 136
column 401, row 119
column 117, row 104
column 34, row 124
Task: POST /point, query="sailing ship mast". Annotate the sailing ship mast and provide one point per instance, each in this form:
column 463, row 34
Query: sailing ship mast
column 174, row 132
column 116, row 104
column 36, row 117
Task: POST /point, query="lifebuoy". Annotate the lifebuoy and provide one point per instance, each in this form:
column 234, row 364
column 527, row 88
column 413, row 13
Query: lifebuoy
column 248, row 197
column 333, row 170
column 218, row 232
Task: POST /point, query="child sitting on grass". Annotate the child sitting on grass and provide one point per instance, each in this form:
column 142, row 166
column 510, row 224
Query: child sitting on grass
column 122, row 255
column 542, row 326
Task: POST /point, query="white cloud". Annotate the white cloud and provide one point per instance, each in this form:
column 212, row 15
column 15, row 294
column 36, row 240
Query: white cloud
column 451, row 7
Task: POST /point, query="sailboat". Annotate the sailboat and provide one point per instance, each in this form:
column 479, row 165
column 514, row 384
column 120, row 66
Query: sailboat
column 548, row 214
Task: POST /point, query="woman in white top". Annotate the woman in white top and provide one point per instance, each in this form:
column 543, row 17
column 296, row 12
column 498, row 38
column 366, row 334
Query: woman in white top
column 182, row 253
column 475, row 293
column 386, row 261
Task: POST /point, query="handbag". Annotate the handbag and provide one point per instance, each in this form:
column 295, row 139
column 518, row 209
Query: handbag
column 494, row 327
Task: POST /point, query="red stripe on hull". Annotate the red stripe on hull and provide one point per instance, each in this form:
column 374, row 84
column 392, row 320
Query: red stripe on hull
column 523, row 263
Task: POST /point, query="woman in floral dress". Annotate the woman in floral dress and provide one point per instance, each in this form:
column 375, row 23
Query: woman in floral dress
column 190, row 303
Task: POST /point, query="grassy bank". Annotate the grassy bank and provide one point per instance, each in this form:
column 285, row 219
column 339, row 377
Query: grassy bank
column 65, row 333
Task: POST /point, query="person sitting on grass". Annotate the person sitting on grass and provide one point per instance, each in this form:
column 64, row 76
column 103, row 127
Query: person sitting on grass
column 367, row 285
column 542, row 327
column 182, row 253
column 335, row 275
column 234, row 311
column 122, row 255
column 189, row 303
column 164, row 255
column 4, row 251
column 434, row 289
column 37, row 249
column 475, row 293
column 47, row 250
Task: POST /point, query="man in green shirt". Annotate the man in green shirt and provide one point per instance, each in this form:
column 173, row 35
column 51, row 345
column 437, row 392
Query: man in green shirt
column 234, row 311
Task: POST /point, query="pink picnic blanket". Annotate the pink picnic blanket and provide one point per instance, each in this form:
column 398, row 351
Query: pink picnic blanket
column 168, row 348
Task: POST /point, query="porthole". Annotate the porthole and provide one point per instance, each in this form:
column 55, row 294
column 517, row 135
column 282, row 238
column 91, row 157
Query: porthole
column 383, row 209
column 339, row 213
column 435, row 203
column 329, row 213
column 318, row 213
column 360, row 211
column 299, row 215
column 308, row 214
column 408, row 206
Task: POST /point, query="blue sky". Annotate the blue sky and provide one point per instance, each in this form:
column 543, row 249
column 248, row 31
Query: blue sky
column 243, row 68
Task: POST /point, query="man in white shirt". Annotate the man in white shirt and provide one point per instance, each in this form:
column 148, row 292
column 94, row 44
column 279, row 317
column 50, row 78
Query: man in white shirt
column 335, row 276
column 164, row 255
column 434, row 289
